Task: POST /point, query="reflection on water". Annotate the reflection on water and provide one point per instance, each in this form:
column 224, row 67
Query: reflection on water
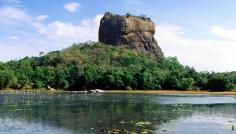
column 210, row 119
column 197, row 99
column 69, row 113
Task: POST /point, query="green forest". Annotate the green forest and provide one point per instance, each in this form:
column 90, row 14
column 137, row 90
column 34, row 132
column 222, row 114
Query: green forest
column 96, row 65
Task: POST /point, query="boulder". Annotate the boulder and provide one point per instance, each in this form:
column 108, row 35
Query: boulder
column 130, row 32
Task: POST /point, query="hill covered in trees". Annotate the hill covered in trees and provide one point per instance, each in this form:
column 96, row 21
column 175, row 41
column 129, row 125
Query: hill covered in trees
column 97, row 65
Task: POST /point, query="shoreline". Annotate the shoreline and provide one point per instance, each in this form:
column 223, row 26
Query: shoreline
column 172, row 92
column 128, row 91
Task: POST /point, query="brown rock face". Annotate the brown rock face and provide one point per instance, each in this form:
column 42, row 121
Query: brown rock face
column 129, row 32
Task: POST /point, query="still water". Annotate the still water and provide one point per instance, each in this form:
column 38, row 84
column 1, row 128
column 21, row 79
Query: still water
column 132, row 113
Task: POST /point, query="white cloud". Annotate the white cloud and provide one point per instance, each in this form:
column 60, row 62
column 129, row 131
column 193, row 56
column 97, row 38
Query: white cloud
column 94, row 23
column 17, row 49
column 220, row 31
column 71, row 33
column 58, row 34
column 42, row 17
column 15, row 54
column 14, row 37
column 7, row 13
column 72, row 7
column 11, row 15
column 201, row 54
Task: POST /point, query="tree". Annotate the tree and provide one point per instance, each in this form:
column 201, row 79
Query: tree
column 61, row 77
column 144, row 80
column 24, row 80
column 143, row 16
column 38, row 84
column 219, row 83
column 127, row 15
column 187, row 83
column 129, row 79
column 1, row 65
column 2, row 80
column 11, row 79
column 39, row 73
column 112, row 79
column 41, row 54
column 158, row 78
column 172, row 80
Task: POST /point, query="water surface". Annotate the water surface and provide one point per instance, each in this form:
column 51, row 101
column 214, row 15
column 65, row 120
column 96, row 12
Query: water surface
column 81, row 113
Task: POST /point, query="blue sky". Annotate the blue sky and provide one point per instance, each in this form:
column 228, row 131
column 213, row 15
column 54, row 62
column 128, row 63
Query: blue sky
column 200, row 33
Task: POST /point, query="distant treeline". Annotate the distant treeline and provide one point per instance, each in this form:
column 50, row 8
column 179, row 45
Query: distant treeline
column 96, row 65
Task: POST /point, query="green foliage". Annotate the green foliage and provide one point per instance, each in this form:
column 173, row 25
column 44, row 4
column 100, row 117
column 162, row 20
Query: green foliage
column 41, row 53
column 23, row 79
column 2, row 80
column 187, row 83
column 96, row 65
column 144, row 17
column 38, row 84
column 127, row 15
column 128, row 88
column 219, row 82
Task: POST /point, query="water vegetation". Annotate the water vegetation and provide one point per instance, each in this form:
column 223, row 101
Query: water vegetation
column 93, row 65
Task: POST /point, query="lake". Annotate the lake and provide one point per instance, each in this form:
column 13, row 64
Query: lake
column 132, row 113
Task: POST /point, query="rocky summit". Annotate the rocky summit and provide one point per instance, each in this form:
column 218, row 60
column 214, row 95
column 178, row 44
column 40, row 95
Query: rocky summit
column 130, row 32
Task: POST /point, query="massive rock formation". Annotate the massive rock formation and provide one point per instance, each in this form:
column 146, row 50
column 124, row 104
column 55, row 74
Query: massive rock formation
column 135, row 33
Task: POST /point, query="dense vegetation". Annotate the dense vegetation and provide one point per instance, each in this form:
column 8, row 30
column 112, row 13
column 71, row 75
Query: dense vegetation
column 96, row 65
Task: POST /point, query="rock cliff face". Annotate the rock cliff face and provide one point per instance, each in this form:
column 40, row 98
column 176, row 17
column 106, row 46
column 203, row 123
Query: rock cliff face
column 129, row 32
